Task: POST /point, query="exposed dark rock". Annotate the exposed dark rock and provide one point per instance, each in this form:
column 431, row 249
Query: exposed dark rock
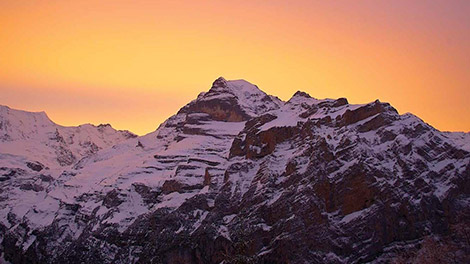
column 207, row 178
column 149, row 195
column 65, row 157
column 111, row 199
column 258, row 145
column 377, row 122
column 220, row 110
column 35, row 166
column 170, row 186
column 31, row 187
column 340, row 102
column 351, row 117
column 91, row 147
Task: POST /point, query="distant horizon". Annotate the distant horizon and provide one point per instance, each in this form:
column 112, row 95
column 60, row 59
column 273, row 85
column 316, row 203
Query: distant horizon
column 135, row 63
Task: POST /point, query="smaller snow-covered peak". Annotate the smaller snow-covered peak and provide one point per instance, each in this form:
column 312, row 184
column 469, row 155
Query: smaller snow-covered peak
column 302, row 97
column 34, row 136
column 10, row 113
column 18, row 124
column 301, row 94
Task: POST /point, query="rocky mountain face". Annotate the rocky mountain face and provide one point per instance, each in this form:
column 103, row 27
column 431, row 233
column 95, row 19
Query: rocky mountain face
column 237, row 176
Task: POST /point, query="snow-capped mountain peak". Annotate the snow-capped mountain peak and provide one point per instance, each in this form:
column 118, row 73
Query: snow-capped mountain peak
column 233, row 101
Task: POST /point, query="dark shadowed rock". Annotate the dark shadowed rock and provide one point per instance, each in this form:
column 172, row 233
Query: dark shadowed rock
column 353, row 116
column 112, row 199
column 35, row 166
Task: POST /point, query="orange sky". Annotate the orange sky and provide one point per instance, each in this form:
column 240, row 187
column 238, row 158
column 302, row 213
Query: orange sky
column 135, row 63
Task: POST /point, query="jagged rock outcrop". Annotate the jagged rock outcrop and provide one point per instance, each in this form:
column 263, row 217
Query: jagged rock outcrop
column 237, row 176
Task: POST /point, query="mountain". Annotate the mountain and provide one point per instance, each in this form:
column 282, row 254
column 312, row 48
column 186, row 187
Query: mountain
column 238, row 176
column 35, row 136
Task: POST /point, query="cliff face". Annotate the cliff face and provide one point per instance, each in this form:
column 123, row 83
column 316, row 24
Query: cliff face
column 238, row 176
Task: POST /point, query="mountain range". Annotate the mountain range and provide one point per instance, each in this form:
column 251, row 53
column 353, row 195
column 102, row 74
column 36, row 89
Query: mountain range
column 237, row 176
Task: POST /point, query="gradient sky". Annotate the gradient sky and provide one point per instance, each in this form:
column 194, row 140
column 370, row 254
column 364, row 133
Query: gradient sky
column 135, row 63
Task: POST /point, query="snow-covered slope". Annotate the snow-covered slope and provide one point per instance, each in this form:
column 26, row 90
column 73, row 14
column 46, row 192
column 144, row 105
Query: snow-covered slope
column 460, row 138
column 35, row 136
column 236, row 176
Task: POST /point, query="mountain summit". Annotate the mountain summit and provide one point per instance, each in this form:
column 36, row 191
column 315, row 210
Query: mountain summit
column 233, row 101
column 237, row 176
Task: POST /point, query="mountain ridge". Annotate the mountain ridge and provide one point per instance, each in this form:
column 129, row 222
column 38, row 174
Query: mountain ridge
column 34, row 135
column 237, row 176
